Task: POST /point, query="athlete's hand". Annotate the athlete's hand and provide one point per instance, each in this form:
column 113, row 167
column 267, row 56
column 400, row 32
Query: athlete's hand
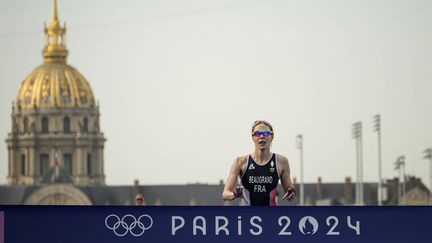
column 238, row 192
column 290, row 194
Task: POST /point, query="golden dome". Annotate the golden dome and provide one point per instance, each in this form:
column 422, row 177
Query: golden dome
column 55, row 84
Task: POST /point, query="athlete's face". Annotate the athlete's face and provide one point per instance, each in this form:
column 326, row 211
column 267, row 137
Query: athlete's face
column 262, row 142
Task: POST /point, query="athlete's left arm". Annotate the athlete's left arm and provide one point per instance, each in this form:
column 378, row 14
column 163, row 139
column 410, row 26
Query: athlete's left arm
column 285, row 176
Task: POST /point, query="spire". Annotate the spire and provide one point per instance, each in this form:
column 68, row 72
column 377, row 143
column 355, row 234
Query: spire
column 55, row 44
column 55, row 17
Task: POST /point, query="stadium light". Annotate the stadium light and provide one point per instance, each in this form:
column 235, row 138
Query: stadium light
column 400, row 165
column 300, row 147
column 377, row 128
column 357, row 135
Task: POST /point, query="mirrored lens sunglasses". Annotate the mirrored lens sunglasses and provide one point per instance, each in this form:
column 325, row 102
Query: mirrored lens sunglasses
column 265, row 133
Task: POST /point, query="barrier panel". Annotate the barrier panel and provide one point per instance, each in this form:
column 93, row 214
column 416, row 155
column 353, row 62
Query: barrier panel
column 113, row 224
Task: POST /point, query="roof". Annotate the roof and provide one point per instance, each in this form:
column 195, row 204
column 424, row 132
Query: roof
column 204, row 194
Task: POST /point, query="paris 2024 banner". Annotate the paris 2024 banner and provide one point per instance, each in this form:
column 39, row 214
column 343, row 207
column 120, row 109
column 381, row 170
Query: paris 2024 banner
column 113, row 224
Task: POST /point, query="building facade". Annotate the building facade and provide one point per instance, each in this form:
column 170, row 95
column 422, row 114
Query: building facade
column 55, row 121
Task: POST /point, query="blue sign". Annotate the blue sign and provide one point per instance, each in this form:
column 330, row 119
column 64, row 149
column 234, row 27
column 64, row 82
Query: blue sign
column 113, row 224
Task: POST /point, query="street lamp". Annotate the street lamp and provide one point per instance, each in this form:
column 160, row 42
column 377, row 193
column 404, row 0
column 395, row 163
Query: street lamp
column 357, row 135
column 300, row 147
column 400, row 165
column 377, row 128
column 428, row 155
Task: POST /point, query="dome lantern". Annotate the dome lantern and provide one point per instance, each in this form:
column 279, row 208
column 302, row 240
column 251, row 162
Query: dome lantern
column 55, row 43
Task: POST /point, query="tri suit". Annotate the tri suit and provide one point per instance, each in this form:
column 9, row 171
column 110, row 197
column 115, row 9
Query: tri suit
column 259, row 180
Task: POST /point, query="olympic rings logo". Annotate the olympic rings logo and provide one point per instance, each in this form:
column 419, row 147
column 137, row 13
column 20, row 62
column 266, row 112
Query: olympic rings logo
column 128, row 223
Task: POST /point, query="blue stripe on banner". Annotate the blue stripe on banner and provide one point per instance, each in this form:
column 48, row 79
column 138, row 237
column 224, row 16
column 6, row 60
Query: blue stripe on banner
column 113, row 224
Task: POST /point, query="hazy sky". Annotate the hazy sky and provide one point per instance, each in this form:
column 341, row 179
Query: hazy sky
column 180, row 82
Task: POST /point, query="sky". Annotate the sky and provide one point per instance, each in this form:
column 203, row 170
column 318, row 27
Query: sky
column 180, row 82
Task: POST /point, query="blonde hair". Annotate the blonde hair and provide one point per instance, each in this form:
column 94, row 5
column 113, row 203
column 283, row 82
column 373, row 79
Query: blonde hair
column 256, row 123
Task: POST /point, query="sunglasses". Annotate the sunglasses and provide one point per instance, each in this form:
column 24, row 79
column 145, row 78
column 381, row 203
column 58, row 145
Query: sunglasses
column 265, row 133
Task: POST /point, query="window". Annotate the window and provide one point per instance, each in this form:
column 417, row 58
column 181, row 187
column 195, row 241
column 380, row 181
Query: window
column 45, row 125
column 85, row 125
column 44, row 164
column 23, row 164
column 67, row 163
column 66, row 125
column 89, row 171
column 26, row 124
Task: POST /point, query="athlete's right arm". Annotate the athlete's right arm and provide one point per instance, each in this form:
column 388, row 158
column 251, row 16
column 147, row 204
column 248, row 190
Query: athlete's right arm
column 229, row 192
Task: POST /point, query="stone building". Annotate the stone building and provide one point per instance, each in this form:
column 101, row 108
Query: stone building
column 55, row 137
column 55, row 121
